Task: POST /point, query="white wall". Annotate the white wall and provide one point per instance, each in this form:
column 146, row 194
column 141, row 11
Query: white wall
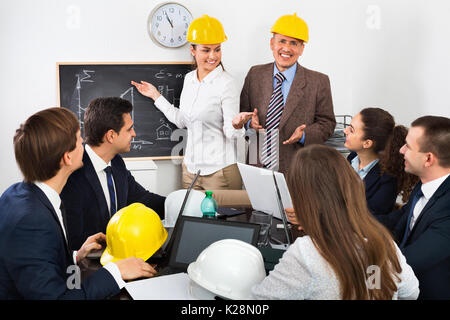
column 389, row 53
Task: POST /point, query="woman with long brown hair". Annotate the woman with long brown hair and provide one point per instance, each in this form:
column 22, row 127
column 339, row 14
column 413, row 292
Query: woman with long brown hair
column 208, row 103
column 345, row 253
column 375, row 142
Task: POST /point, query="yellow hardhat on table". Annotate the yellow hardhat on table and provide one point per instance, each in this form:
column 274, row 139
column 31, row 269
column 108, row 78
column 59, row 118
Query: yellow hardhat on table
column 292, row 26
column 133, row 231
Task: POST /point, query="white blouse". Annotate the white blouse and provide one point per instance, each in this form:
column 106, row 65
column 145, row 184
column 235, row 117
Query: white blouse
column 303, row 274
column 207, row 108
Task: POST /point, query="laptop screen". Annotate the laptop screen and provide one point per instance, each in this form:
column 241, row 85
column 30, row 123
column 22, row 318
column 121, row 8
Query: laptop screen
column 260, row 187
column 195, row 234
column 188, row 191
column 167, row 246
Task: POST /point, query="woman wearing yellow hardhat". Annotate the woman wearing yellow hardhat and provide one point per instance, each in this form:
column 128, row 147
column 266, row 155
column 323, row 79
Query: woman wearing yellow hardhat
column 208, row 103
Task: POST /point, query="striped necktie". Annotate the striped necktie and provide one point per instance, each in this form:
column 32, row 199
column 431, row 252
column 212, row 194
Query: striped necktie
column 269, row 153
column 112, row 194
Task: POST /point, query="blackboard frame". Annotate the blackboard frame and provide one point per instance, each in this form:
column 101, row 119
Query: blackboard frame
column 58, row 84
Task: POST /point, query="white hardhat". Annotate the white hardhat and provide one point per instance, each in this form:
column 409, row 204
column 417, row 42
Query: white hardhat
column 227, row 268
column 173, row 203
column 199, row 292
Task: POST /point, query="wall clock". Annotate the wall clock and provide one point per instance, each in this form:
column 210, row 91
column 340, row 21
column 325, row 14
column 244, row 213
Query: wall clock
column 168, row 24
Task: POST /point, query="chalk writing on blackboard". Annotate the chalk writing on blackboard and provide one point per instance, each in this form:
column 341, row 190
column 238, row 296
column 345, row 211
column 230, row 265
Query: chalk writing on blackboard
column 136, row 144
column 81, row 83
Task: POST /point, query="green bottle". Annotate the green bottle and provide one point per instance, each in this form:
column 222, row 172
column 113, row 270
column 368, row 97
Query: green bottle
column 209, row 205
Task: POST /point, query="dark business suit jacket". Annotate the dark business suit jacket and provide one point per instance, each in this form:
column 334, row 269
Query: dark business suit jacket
column 33, row 252
column 427, row 248
column 85, row 203
column 309, row 102
column 381, row 190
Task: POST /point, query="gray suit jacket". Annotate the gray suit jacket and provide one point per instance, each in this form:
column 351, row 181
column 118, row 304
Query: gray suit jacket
column 309, row 102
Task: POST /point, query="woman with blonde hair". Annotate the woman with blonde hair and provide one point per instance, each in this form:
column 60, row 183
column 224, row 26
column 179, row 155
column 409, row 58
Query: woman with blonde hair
column 345, row 253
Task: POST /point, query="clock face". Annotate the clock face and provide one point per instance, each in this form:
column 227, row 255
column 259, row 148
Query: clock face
column 168, row 24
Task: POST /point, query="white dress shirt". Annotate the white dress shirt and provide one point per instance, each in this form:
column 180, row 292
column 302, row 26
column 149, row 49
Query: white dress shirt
column 99, row 167
column 55, row 201
column 428, row 190
column 207, row 108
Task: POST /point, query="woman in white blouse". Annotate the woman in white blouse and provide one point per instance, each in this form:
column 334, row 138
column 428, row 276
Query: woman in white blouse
column 345, row 253
column 208, row 103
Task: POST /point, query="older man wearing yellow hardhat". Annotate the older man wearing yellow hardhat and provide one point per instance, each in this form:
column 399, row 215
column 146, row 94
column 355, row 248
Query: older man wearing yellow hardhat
column 290, row 102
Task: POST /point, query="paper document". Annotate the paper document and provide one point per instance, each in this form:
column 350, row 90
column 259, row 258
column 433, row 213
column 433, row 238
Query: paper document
column 170, row 287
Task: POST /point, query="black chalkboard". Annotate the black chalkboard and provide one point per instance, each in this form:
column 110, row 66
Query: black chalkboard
column 80, row 83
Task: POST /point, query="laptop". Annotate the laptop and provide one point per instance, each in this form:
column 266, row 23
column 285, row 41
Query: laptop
column 280, row 206
column 259, row 183
column 268, row 192
column 169, row 242
column 194, row 234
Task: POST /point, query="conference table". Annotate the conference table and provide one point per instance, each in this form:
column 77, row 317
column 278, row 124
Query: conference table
column 277, row 233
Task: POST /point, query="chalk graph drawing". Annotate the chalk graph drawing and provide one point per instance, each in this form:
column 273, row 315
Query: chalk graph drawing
column 169, row 94
column 80, row 83
column 86, row 76
column 136, row 144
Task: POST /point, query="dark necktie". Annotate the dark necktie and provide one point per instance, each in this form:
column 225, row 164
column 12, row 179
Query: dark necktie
column 112, row 194
column 416, row 198
column 64, row 218
column 269, row 153
column 63, row 214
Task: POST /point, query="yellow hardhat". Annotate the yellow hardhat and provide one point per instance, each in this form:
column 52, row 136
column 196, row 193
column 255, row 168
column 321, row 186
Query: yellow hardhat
column 134, row 231
column 291, row 26
column 206, row 30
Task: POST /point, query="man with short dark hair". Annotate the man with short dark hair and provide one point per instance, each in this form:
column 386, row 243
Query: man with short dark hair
column 104, row 185
column 422, row 226
column 35, row 261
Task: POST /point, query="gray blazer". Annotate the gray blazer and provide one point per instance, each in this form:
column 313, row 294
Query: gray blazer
column 309, row 102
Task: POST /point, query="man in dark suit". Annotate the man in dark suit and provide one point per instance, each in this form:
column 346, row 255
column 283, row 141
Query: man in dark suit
column 302, row 114
column 422, row 226
column 35, row 261
column 92, row 194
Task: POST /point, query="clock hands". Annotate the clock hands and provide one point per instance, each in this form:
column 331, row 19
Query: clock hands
column 168, row 19
column 178, row 25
